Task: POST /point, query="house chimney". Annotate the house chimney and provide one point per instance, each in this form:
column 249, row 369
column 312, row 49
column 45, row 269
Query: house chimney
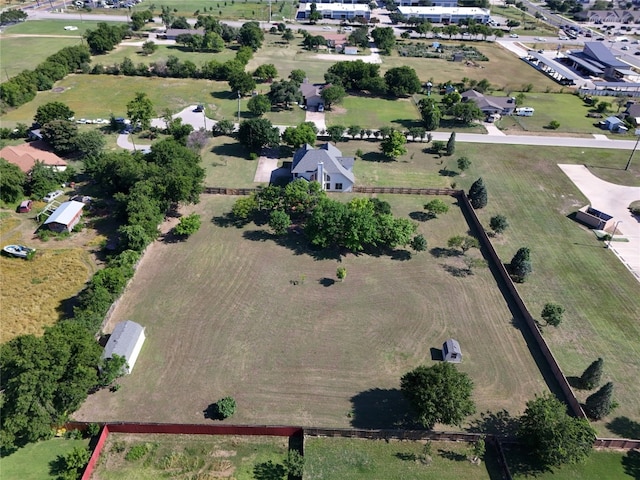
column 320, row 175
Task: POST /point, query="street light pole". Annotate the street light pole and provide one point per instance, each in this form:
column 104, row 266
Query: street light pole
column 615, row 227
column 238, row 107
column 634, row 149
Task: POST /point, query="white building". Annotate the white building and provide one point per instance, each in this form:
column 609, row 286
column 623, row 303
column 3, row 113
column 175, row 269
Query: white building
column 324, row 165
column 336, row 11
column 447, row 14
column 125, row 341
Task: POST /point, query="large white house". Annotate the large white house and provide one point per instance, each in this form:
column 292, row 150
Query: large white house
column 325, row 165
column 336, row 11
column 438, row 14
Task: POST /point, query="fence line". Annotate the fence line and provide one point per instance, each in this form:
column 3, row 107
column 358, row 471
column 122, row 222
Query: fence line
column 356, row 189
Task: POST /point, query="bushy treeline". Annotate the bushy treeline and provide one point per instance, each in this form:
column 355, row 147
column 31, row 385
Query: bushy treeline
column 23, row 87
column 176, row 68
column 12, row 16
column 362, row 224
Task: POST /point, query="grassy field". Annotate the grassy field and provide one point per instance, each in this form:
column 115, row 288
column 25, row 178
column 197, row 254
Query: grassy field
column 33, row 290
column 599, row 465
column 190, row 456
column 310, row 354
column 503, row 70
column 54, row 27
column 162, row 53
column 249, row 10
column 355, row 459
column 399, row 113
column 33, row 461
column 12, row 52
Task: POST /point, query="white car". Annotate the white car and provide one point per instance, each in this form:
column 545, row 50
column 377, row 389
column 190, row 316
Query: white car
column 625, row 47
column 326, row 28
column 52, row 195
column 71, row 27
column 539, row 39
column 514, row 35
column 563, row 37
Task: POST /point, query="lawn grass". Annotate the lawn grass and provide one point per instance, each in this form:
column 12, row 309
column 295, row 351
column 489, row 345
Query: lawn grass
column 226, row 164
column 32, row 462
column 12, row 52
column 32, row 291
column 569, row 110
column 600, row 464
column 308, row 354
column 504, row 70
column 230, row 9
column 189, row 456
column 163, row 52
column 400, row 113
column 54, row 27
column 357, row 459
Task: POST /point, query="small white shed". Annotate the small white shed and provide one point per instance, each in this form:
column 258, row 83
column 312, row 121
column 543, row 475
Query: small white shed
column 451, row 351
column 126, row 341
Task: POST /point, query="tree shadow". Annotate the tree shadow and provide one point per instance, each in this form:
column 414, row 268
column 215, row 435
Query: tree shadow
column 631, row 464
column 450, row 455
column 230, row 150
column 436, row 354
column 523, row 463
column 575, row 382
column 381, row 408
column 406, row 457
column 498, row 423
column 212, row 412
column 625, row 427
column 445, row 172
column 57, row 467
column 326, row 281
column 419, row 216
column 228, row 220
column 269, row 471
column 400, row 255
column 439, row 252
column 258, row 235
column 376, row 157
column 456, row 271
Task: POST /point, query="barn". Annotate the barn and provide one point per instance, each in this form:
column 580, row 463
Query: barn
column 451, row 351
column 66, row 216
column 126, row 341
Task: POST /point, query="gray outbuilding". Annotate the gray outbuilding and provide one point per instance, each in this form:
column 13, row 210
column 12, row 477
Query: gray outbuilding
column 451, row 351
column 126, row 341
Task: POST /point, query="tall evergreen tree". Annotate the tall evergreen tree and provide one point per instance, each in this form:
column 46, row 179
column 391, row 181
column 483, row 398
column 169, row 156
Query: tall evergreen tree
column 478, row 194
column 521, row 264
column 451, row 145
column 600, row 404
column 591, row 376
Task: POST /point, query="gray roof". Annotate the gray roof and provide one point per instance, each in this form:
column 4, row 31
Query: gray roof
column 633, row 110
column 310, row 89
column 65, row 213
column 123, row 339
column 600, row 52
column 613, row 120
column 452, row 346
column 306, row 159
column 486, row 102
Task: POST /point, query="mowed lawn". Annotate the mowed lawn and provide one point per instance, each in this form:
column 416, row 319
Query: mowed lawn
column 14, row 59
column 374, row 112
column 314, row 353
column 134, row 53
column 55, row 27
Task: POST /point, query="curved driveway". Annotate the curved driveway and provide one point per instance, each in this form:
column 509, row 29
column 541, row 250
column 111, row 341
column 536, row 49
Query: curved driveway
column 614, row 200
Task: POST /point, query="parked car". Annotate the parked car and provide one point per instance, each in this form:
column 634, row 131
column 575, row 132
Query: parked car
column 52, row 196
column 514, row 35
column 25, row 206
column 625, row 47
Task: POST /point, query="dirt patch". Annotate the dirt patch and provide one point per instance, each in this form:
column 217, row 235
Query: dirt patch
column 224, row 453
column 58, row 89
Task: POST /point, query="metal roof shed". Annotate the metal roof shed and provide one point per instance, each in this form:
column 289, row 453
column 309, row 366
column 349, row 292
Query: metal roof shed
column 126, row 341
column 451, row 351
column 66, row 216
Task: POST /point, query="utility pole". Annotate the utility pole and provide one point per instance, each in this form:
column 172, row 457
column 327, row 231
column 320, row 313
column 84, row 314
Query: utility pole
column 634, row 149
column 238, row 107
column 615, row 227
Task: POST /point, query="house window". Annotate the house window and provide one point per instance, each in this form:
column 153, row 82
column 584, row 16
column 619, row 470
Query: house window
column 327, row 186
column 338, row 186
column 328, row 178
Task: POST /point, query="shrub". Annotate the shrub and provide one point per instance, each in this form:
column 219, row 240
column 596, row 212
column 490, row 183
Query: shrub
column 341, row 273
column 225, row 407
column 137, row 452
column 553, row 125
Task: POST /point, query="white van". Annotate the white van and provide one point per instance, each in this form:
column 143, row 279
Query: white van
column 525, row 111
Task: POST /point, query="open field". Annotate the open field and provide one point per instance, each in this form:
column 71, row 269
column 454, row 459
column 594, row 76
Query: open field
column 54, row 27
column 12, row 52
column 503, row 70
column 600, row 464
column 249, row 10
column 32, row 462
column 33, row 290
column 399, row 113
column 308, row 354
column 189, row 456
column 356, row 459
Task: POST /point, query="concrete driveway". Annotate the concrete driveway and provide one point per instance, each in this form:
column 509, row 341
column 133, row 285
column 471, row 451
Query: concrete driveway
column 197, row 120
column 614, row 200
column 317, row 118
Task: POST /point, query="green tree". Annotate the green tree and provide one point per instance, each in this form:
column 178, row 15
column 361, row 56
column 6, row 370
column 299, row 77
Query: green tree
column 72, row 464
column 244, row 208
column 241, row 82
column 294, row 463
column 266, row 72
column 384, row 38
column 188, row 225
column 498, row 223
column 478, row 194
column 300, row 135
column 341, row 273
column 478, row 450
column 226, row 407
column 466, row 112
column 402, row 81
column 61, row 135
column 592, row 375
column 451, row 144
column 552, row 313
column 394, row 145
column 251, row 35
column 284, row 93
column 314, row 14
column 521, row 264
column 553, row 125
column 419, row 243
column 554, row 437
column 336, row 133
column 430, row 113
column 149, row 47
column 297, row 76
column 140, row 110
column 437, row 147
column 600, row 404
column 52, row 111
column 435, row 207
column 257, row 133
column 223, row 127
column 438, row 394
column 90, row 143
column 259, row 104
column 111, row 369
column 463, row 163
column 12, row 181
column 333, row 94
column 279, row 222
